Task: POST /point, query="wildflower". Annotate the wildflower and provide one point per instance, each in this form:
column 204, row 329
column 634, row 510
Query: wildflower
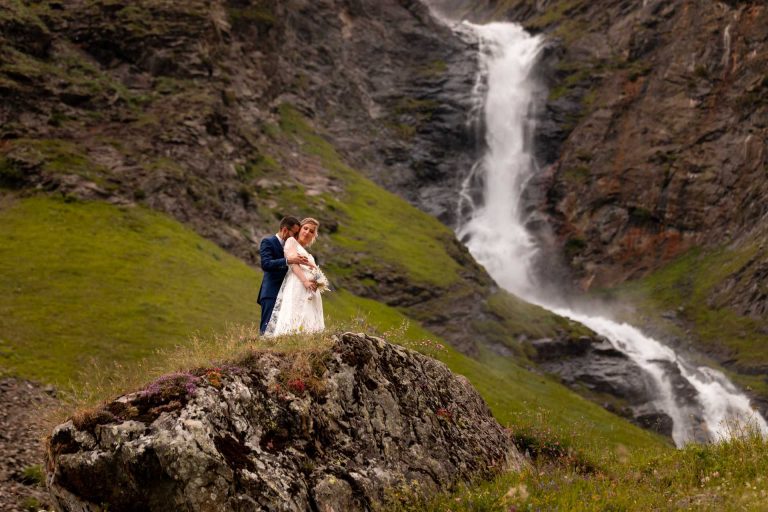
column 297, row 386
column 172, row 384
column 214, row 378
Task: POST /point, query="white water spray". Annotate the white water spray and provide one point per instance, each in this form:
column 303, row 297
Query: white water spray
column 493, row 228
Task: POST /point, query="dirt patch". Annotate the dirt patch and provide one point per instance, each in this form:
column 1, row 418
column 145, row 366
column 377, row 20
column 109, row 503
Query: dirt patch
column 22, row 485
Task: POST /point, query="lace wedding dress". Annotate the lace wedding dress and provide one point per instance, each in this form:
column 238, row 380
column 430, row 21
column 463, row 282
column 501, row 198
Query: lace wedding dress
column 296, row 308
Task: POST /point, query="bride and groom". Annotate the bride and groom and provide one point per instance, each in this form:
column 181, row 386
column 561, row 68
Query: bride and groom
column 290, row 291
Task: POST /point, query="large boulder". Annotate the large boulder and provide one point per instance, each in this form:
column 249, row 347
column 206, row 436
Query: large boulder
column 334, row 429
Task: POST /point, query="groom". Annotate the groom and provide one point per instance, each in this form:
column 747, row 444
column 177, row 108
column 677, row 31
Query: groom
column 275, row 266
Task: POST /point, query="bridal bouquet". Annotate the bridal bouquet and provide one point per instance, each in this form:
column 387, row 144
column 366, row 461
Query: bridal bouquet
column 323, row 285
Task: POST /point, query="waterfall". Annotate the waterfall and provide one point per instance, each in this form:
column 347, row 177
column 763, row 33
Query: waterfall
column 492, row 225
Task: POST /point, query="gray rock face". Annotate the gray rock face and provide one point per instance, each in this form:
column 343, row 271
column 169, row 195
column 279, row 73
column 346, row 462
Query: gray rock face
column 251, row 438
column 397, row 109
column 593, row 363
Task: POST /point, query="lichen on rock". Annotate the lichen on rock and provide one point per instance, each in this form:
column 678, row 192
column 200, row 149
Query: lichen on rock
column 378, row 416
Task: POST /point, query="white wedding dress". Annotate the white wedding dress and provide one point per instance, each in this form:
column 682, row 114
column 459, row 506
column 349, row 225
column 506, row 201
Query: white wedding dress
column 297, row 310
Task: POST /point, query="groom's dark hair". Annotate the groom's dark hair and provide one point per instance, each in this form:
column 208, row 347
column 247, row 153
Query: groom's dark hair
column 289, row 222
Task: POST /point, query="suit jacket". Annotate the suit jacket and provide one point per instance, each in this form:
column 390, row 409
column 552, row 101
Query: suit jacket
column 274, row 266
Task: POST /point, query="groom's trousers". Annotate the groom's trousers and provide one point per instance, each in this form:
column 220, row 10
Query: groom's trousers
column 267, row 305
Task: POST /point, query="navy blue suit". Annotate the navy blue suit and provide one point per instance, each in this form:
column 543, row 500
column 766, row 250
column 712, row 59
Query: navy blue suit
column 275, row 267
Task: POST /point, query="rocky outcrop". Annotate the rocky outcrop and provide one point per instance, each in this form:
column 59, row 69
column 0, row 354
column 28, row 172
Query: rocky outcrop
column 359, row 420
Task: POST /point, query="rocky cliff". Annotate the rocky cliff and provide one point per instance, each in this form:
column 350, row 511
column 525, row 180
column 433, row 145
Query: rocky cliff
column 654, row 130
column 344, row 430
column 188, row 90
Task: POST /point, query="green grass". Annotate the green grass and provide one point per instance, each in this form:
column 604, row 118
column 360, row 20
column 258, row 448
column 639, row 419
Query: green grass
column 87, row 282
column 90, row 280
column 258, row 15
column 56, row 156
column 110, row 297
column 16, row 11
column 510, row 321
column 730, row 476
column 70, row 67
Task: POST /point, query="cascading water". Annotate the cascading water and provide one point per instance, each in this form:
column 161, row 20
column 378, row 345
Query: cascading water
column 493, row 228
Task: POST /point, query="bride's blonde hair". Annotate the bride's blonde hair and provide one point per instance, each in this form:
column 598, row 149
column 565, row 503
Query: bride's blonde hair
column 311, row 220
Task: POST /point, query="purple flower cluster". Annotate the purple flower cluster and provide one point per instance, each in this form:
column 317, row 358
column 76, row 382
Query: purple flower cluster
column 231, row 369
column 173, row 382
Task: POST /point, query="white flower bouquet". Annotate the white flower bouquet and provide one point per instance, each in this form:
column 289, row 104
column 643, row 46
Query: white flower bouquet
column 323, row 285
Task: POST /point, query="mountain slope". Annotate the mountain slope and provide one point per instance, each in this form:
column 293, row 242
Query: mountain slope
column 199, row 111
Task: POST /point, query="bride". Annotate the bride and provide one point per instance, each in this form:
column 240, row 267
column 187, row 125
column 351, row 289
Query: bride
column 299, row 306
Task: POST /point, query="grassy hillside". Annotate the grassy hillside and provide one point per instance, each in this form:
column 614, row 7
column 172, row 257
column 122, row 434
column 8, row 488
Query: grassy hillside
column 86, row 281
column 375, row 232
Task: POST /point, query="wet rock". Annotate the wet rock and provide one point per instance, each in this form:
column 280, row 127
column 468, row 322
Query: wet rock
column 656, row 421
column 593, row 363
column 246, row 439
column 548, row 349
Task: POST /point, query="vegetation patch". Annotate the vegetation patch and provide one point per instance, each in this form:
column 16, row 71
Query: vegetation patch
column 558, row 12
column 260, row 15
column 511, row 322
column 23, row 158
column 574, row 78
column 410, row 114
column 727, row 476
column 261, row 164
column 577, row 174
column 433, row 69
column 90, row 281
